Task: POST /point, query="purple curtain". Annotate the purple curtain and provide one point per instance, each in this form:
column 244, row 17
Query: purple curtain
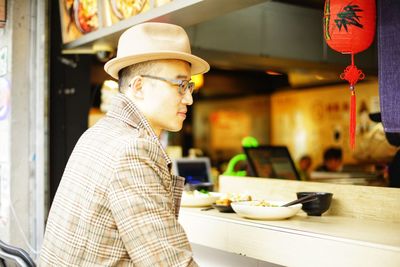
column 389, row 63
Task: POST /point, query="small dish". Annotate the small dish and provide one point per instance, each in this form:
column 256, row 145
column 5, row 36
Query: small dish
column 223, row 208
column 317, row 207
column 199, row 199
column 253, row 210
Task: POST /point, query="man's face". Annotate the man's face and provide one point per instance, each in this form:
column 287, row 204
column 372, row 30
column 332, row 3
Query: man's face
column 163, row 106
column 334, row 165
column 304, row 164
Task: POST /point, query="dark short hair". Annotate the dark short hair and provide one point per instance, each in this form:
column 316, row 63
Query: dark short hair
column 127, row 73
column 333, row 153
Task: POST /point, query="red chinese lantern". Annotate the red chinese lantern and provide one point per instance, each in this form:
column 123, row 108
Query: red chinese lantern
column 349, row 28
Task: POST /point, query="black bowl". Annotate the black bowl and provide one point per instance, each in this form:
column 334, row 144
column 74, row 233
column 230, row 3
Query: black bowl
column 223, row 208
column 318, row 206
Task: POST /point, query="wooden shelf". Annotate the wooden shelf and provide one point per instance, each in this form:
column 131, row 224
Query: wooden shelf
column 182, row 12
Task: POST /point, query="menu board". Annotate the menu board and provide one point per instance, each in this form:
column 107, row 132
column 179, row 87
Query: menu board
column 228, row 128
column 78, row 17
column 308, row 121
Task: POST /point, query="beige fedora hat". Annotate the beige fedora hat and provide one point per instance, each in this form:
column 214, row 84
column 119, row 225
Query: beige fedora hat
column 152, row 41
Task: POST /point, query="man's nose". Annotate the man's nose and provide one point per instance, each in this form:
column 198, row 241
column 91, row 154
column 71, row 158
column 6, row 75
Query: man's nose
column 187, row 98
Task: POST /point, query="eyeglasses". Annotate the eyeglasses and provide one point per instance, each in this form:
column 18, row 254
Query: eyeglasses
column 183, row 85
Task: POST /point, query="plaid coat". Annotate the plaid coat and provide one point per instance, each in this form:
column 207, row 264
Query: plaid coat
column 117, row 203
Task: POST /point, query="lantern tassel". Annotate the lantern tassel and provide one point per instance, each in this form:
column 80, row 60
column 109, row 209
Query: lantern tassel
column 352, row 74
column 352, row 126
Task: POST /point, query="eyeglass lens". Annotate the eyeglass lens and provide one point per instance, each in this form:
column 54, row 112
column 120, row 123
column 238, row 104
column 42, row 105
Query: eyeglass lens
column 183, row 85
column 186, row 86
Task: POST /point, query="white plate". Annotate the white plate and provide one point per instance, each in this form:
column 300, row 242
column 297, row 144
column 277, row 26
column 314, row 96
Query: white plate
column 199, row 200
column 248, row 209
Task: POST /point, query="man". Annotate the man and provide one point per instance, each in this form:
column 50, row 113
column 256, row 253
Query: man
column 117, row 203
column 305, row 163
column 333, row 160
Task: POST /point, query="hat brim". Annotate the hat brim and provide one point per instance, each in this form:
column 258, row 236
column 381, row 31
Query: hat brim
column 376, row 117
column 198, row 65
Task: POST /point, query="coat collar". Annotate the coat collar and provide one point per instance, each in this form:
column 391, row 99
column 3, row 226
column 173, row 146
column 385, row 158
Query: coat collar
column 125, row 110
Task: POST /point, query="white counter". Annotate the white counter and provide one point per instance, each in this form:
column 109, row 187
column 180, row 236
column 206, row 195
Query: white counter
column 298, row 241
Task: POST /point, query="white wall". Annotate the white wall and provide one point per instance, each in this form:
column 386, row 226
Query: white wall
column 23, row 131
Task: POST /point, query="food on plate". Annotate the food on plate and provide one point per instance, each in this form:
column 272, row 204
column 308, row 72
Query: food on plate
column 265, row 209
column 227, row 198
column 264, row 203
column 224, row 201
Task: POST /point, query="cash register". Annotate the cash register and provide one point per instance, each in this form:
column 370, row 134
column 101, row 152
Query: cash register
column 196, row 171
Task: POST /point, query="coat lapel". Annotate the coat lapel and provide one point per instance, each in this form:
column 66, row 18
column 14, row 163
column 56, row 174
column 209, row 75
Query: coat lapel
column 125, row 110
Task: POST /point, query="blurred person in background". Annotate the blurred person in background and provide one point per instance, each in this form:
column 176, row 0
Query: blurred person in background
column 304, row 166
column 373, row 148
column 332, row 160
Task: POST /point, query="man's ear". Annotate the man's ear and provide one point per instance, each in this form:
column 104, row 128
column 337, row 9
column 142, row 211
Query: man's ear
column 136, row 87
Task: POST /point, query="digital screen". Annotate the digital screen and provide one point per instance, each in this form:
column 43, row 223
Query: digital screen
column 271, row 162
column 194, row 172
